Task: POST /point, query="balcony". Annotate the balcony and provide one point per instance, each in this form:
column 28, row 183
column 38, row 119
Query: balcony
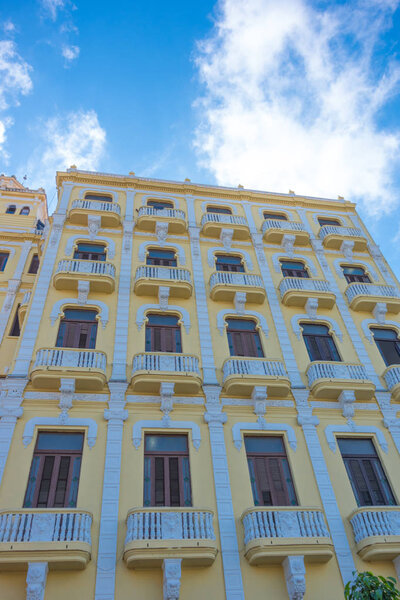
column 377, row 532
column 60, row 537
column 88, row 367
column 240, row 375
column 110, row 212
column 328, row 379
column 154, row 534
column 272, row 534
column 295, row 291
column 150, row 369
column 224, row 285
column 213, row 223
column 148, row 279
column 148, row 217
column 392, row 379
column 273, row 231
column 100, row 274
column 365, row 296
column 24, row 305
column 333, row 236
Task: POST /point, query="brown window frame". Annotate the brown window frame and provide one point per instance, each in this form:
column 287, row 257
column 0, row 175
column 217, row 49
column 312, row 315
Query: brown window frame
column 73, row 329
column 167, row 261
column 243, row 341
column 355, row 278
column 80, row 254
column 34, row 265
column 287, row 272
column 163, row 336
column 327, row 221
column 4, row 256
column 393, row 341
column 320, row 346
column 11, row 209
column 229, row 267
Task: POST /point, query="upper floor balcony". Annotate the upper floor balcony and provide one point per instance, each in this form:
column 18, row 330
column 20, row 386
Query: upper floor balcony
column 88, row 367
column 377, row 532
column 100, row 275
column 60, row 537
column 224, row 285
column 365, row 296
column 213, row 223
column 154, row 534
column 333, row 236
column 272, row 534
column 149, row 278
column 273, row 231
column 149, row 215
column 240, row 375
column 295, row 291
column 328, row 379
column 150, row 369
column 392, row 379
column 109, row 212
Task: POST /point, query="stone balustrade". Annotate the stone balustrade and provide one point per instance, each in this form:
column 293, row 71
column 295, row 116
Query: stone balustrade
column 97, row 205
column 223, row 219
column 339, row 230
column 165, row 361
column 238, row 279
column 167, row 213
column 334, row 370
column 253, row 366
column 179, row 524
column 377, row 532
column 169, row 273
column 278, row 224
column 62, row 357
column 302, row 283
column 86, row 267
column 48, row 526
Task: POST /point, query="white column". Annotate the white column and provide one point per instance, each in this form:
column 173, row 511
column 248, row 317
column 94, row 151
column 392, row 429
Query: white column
column 36, row 580
column 107, row 550
column 390, row 420
column 226, row 520
column 13, row 286
column 10, row 410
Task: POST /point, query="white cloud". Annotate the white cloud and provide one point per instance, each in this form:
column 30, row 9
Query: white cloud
column 52, row 7
column 8, row 27
column 291, row 99
column 70, row 52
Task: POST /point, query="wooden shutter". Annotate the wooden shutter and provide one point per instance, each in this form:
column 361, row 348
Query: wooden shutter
column 361, row 487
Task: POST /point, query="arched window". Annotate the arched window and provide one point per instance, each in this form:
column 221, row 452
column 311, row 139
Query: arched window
column 325, row 221
column 243, row 338
column 78, row 329
column 319, row 342
column 98, row 197
column 3, row 260
column 163, row 333
column 388, row 344
column 221, row 210
column 160, row 204
column 25, row 210
column 86, row 251
column 291, row 268
column 355, row 274
column 11, row 208
column 274, row 216
column 164, row 258
column 227, row 262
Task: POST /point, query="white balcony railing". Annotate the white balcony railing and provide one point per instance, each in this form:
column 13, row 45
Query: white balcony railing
column 301, row 283
column 61, row 357
column 167, row 213
column 166, row 361
column 253, row 366
column 170, row 273
column 335, row 370
column 45, row 527
column 392, row 376
column 170, row 525
column 326, row 230
column 278, row 224
column 87, row 267
column 371, row 289
column 290, row 523
column 226, row 278
column 223, row 219
column 367, row 523
column 97, row 205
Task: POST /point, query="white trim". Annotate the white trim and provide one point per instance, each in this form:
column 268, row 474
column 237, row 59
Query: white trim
column 275, row 208
column 355, row 262
column 262, row 425
column 30, row 425
column 248, row 313
column 140, row 316
column 367, row 332
column 56, row 310
column 11, row 251
column 351, row 427
column 297, row 329
column 218, row 202
column 162, row 244
column 246, row 255
column 159, row 196
column 97, row 188
column 308, row 260
column 165, row 423
column 69, row 246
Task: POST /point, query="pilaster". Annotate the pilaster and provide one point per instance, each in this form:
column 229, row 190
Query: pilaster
column 10, row 410
column 13, row 287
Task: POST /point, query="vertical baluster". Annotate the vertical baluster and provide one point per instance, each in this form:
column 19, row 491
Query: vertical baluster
column 196, row 524
column 256, row 531
column 57, row 527
column 14, row 528
column 146, row 526
column 21, row 528
column 152, row 526
column 135, row 527
column 185, row 518
column 68, row 516
column 8, row 527
column 202, row 516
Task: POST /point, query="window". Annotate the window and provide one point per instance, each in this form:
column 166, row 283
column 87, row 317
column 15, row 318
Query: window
column 355, row 274
column 388, row 344
column 15, row 327
column 165, row 258
column 11, row 209
column 270, row 476
column 367, row 478
column 90, row 252
column 275, row 216
column 78, row 329
column 225, row 262
column 54, row 477
column 34, row 266
column 25, row 210
column 163, row 334
column 319, row 343
column 294, row 269
column 98, row 197
column 243, row 338
column 166, row 471
column 3, row 260
column 322, row 221
column 219, row 210
column 159, row 204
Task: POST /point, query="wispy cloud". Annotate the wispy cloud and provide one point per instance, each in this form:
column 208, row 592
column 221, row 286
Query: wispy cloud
column 8, row 27
column 51, row 7
column 70, row 53
column 292, row 95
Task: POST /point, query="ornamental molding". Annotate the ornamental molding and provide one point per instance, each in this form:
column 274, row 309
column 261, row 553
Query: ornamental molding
column 141, row 316
column 366, row 323
column 355, row 262
column 29, row 430
column 171, row 578
column 351, row 427
column 247, row 259
column 295, row 577
column 262, row 425
column 221, row 324
column 165, row 423
column 73, row 238
column 166, row 245
column 57, row 310
column 36, row 580
column 9, row 249
column 309, row 262
column 304, row 317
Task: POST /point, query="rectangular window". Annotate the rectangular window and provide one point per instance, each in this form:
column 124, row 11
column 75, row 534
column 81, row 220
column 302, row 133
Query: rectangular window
column 54, row 476
column 166, row 471
column 294, row 269
column 244, row 339
column 15, row 330
column 367, row 478
column 164, row 258
column 77, row 330
column 3, row 260
column 355, row 274
column 163, row 334
column 270, row 476
column 232, row 264
column 388, row 345
column 90, row 252
column 34, row 266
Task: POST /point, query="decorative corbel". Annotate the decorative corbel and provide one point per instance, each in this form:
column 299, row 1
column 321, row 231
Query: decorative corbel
column 94, row 224
column 295, row 572
column 226, row 238
column 67, row 390
column 83, row 291
column 171, row 578
column 259, row 398
column 379, row 312
column 240, row 302
column 346, row 401
column 311, row 308
column 161, row 230
column 288, row 243
column 163, row 296
column 166, row 393
column 347, row 249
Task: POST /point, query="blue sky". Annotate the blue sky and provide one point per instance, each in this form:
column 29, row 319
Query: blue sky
column 298, row 94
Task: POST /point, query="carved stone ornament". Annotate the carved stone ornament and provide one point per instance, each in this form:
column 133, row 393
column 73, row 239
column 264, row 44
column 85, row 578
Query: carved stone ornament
column 163, row 296
column 166, row 393
column 240, row 302
column 346, row 401
column 259, row 397
column 226, row 238
column 288, row 243
column 379, row 312
column 295, row 572
column 67, row 390
column 347, row 248
column 94, row 224
column 161, row 231
column 58, row 222
column 12, row 289
column 36, row 580
column 214, row 415
column 171, row 578
column 311, row 308
column 128, row 231
column 83, row 291
column 319, row 251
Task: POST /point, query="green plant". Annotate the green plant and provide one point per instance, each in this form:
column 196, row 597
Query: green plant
column 367, row 586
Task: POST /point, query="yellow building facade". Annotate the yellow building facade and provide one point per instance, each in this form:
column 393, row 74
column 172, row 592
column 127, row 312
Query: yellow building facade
column 200, row 398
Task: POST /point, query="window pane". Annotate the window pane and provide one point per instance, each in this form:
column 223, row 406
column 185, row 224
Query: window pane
column 91, row 248
column 352, row 446
column 73, row 490
column 308, row 328
column 98, row 197
column 162, row 319
column 219, row 210
column 253, row 481
column 161, row 254
column 46, row 481
column 231, row 260
column 263, row 444
column 384, row 334
column 241, row 324
column 166, row 443
column 323, row 221
column 292, row 265
column 174, row 488
column 59, row 441
column 80, row 315
column 147, row 481
column 187, row 492
column 30, row 490
column 353, row 271
column 62, row 480
column 159, row 482
column 159, row 204
column 275, row 216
